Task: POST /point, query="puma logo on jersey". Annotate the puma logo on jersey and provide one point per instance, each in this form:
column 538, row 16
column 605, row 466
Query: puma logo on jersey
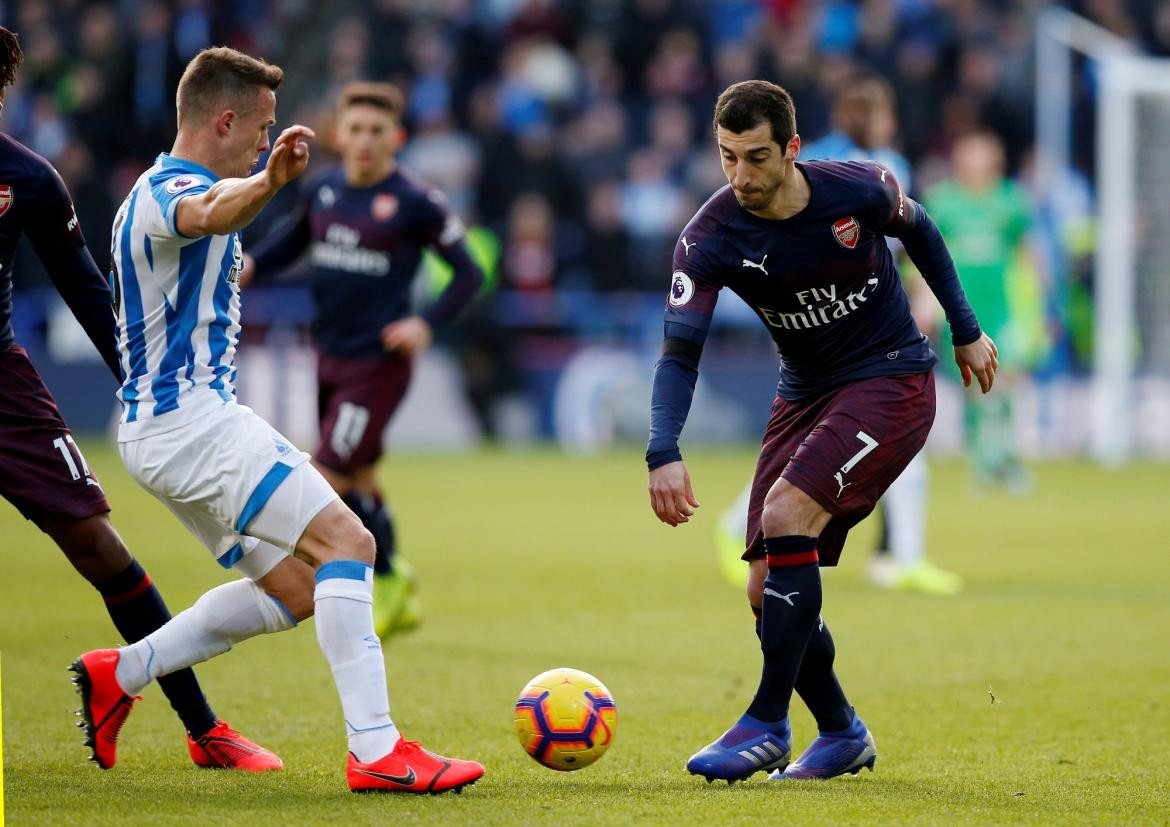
column 760, row 266
column 687, row 247
column 787, row 598
column 842, row 485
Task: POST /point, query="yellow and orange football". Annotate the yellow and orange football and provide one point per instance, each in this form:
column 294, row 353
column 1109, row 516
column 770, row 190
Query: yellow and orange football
column 565, row 719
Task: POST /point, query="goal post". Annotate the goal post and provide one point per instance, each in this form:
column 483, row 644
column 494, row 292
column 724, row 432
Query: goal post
column 1131, row 182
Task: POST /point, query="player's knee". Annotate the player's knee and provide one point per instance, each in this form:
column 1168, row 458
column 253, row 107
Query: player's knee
column 755, row 582
column 788, row 511
column 362, row 544
column 336, row 534
column 349, row 540
column 776, row 519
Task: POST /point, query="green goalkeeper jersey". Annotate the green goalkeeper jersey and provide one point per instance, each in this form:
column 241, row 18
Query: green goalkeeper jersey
column 983, row 231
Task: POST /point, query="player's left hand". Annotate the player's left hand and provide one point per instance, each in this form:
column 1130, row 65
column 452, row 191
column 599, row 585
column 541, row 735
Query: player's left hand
column 407, row 336
column 671, row 495
column 981, row 359
column 289, row 156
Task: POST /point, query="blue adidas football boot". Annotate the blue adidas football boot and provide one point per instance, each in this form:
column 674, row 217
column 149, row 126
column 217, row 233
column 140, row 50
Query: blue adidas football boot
column 833, row 754
column 748, row 747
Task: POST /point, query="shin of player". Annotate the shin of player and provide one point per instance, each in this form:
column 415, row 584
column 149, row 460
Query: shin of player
column 243, row 490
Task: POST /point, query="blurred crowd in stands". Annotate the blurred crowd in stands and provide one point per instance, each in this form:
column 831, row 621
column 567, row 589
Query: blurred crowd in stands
column 577, row 132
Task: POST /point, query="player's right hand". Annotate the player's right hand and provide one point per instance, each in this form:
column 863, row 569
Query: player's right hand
column 671, row 496
column 981, row 359
column 289, row 156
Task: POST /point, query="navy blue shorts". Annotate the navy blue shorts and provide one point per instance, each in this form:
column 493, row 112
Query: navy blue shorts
column 42, row 471
column 355, row 400
column 844, row 449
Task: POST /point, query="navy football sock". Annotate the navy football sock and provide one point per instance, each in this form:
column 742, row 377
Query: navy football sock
column 791, row 605
column 376, row 518
column 137, row 609
column 817, row 684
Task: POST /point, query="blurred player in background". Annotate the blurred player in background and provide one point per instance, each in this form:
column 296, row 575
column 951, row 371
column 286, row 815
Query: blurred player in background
column 864, row 127
column 238, row 485
column 367, row 224
column 985, row 219
column 804, row 245
column 42, row 471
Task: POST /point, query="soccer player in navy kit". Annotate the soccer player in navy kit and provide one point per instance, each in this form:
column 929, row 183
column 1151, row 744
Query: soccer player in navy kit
column 366, row 224
column 804, row 246
column 42, row 471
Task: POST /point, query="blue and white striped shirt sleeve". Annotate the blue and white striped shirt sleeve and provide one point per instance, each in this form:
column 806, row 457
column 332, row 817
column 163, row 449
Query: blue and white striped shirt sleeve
column 169, row 187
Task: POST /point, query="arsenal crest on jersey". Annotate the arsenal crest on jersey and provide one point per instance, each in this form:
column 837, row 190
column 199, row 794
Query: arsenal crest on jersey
column 847, row 231
column 5, row 198
column 384, row 206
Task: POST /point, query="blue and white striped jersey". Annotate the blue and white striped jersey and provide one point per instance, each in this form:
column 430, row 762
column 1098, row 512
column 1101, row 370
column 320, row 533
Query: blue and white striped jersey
column 177, row 301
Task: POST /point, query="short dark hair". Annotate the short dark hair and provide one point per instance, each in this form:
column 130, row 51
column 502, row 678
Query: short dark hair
column 749, row 103
column 384, row 96
column 222, row 77
column 10, row 57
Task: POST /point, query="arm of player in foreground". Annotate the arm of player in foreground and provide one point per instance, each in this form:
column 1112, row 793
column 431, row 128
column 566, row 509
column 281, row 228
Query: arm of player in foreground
column 675, row 376
column 232, row 204
column 56, row 237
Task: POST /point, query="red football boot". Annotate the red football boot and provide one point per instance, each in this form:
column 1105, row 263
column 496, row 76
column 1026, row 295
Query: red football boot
column 224, row 748
column 104, row 706
column 411, row 769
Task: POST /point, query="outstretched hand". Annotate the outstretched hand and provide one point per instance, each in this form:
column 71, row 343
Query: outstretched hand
column 981, row 359
column 289, row 156
column 671, row 496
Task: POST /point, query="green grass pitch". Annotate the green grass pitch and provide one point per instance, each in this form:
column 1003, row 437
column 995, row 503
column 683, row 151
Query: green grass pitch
column 535, row 560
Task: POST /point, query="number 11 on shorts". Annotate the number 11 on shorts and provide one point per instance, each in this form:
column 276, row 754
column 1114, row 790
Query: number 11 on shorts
column 63, row 444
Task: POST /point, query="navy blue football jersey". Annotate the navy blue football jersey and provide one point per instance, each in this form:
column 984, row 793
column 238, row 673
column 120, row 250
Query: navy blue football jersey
column 34, row 202
column 364, row 246
column 823, row 281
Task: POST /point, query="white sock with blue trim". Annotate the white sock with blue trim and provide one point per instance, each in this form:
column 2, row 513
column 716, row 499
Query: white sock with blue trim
column 345, row 630
column 218, row 620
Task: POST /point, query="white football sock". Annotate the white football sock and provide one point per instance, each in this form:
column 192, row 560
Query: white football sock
column 220, row 618
column 345, row 630
column 905, row 503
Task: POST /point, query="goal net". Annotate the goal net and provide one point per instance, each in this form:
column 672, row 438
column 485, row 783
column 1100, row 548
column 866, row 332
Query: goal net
column 1129, row 96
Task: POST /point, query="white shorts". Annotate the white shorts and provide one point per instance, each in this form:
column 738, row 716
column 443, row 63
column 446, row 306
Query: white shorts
column 239, row 486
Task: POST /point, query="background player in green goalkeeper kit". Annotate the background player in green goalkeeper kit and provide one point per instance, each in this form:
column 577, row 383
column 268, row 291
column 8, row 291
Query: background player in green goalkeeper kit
column 985, row 218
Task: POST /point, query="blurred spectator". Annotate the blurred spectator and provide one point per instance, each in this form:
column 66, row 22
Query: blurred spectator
column 589, row 119
column 529, row 259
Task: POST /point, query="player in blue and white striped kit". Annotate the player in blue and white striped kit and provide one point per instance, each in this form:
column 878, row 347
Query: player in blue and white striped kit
column 234, row 481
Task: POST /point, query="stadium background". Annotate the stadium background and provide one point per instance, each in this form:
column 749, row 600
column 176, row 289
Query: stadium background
column 576, row 137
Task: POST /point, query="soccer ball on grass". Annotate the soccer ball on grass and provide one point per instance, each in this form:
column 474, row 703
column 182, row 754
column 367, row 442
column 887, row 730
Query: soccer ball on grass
column 565, row 719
